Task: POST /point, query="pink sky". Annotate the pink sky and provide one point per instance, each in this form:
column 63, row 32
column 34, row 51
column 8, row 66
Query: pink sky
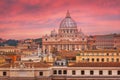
column 20, row 19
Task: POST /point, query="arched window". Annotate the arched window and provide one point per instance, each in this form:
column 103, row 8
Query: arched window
column 97, row 60
column 102, row 59
column 92, row 59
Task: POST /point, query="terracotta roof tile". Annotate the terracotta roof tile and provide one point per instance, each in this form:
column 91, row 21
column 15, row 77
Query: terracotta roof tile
column 35, row 64
column 68, row 54
column 96, row 64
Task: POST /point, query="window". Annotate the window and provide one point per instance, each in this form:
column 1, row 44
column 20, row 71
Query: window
column 117, row 60
column 59, row 72
column 4, row 73
column 102, row 59
column 97, row 59
column 100, row 72
column 107, row 54
column 55, row 72
column 64, row 71
column 41, row 73
column 92, row 59
column 83, row 59
column 118, row 72
column 61, row 64
column 91, row 72
column 73, row 72
column 112, row 59
column 82, row 72
column 109, row 72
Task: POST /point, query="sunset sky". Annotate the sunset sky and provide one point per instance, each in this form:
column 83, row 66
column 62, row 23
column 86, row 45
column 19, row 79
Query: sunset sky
column 20, row 19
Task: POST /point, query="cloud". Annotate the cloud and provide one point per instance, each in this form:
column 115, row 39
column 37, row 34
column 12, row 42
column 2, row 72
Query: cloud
column 33, row 18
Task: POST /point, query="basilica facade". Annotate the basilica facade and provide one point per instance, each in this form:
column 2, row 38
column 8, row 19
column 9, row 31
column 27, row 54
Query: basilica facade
column 68, row 37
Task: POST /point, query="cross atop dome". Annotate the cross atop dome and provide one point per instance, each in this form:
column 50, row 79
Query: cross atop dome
column 67, row 14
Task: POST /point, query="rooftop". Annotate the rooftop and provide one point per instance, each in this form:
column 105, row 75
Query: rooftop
column 27, row 64
column 96, row 64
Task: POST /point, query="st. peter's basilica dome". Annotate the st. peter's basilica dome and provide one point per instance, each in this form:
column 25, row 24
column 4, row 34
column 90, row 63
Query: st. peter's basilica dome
column 68, row 22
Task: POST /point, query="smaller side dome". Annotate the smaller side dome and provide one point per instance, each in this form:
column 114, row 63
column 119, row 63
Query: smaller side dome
column 53, row 33
column 81, row 33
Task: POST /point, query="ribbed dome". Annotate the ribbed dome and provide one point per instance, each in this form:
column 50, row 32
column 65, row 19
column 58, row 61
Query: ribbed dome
column 68, row 22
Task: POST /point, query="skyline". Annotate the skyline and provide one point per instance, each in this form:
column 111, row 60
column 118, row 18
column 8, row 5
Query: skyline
column 20, row 19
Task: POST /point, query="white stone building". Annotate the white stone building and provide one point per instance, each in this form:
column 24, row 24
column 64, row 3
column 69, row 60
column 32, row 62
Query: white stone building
column 68, row 37
column 71, row 71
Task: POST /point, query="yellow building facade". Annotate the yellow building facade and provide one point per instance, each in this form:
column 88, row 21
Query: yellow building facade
column 98, row 56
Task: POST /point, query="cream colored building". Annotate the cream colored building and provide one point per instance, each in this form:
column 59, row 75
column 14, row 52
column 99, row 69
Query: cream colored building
column 98, row 56
column 9, row 49
column 45, row 71
column 68, row 37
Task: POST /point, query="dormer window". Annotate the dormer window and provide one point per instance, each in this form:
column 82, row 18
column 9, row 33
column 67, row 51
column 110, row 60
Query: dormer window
column 60, row 63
